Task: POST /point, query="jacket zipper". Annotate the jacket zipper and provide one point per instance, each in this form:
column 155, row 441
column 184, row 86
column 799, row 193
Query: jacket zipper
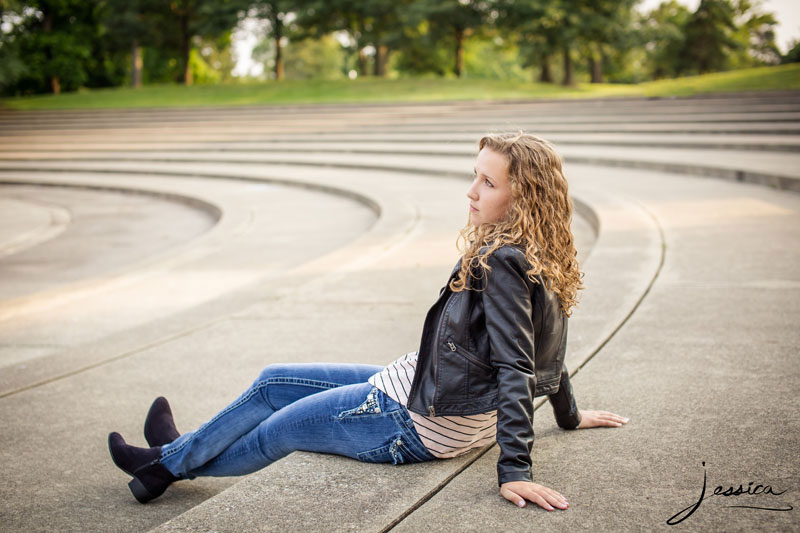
column 456, row 348
column 431, row 409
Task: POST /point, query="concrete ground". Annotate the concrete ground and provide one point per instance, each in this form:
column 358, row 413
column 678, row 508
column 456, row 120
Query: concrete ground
column 178, row 252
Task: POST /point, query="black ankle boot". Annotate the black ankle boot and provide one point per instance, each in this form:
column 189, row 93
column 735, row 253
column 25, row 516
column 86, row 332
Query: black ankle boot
column 159, row 428
column 150, row 477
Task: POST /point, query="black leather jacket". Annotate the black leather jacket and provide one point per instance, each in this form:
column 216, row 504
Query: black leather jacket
column 496, row 347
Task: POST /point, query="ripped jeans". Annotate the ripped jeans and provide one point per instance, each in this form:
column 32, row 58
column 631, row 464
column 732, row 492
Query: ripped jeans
column 316, row 407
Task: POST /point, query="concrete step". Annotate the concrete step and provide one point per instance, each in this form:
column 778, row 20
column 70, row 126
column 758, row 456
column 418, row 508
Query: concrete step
column 776, row 170
column 398, row 142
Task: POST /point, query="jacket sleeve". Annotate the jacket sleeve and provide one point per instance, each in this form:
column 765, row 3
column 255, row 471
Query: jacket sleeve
column 507, row 307
column 563, row 402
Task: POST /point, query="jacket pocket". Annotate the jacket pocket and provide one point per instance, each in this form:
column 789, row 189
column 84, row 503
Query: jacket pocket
column 474, row 359
column 456, row 368
column 478, row 376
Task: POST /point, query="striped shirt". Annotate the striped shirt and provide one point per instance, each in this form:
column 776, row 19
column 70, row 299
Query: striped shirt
column 443, row 436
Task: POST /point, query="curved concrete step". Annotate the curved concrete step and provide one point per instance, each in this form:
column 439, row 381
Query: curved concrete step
column 777, row 170
column 37, row 327
column 26, row 222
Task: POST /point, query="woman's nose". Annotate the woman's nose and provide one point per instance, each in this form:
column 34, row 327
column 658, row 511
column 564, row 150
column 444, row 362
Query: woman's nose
column 471, row 192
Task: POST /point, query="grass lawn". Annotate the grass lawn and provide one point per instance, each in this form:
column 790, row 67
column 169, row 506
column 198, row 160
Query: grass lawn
column 784, row 77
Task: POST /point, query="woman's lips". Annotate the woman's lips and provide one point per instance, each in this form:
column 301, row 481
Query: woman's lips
column 472, row 208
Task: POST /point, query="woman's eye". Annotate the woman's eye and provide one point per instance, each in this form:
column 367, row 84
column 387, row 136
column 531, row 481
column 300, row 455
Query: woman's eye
column 488, row 183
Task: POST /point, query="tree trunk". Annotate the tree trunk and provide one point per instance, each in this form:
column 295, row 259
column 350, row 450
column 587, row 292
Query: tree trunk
column 569, row 75
column 597, row 72
column 603, row 63
column 547, row 75
column 459, row 66
column 595, row 67
column 381, row 53
column 278, row 34
column 278, row 59
column 186, row 47
column 362, row 62
column 47, row 26
column 362, row 57
column 136, row 65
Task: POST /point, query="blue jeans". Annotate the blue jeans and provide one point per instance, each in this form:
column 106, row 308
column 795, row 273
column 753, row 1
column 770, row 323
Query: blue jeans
column 314, row 407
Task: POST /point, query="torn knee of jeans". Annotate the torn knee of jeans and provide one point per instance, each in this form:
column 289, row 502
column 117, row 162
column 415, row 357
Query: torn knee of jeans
column 370, row 406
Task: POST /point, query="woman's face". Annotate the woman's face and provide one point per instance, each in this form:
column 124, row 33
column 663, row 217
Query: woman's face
column 490, row 192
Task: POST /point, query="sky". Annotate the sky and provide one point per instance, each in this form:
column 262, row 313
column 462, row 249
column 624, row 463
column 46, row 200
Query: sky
column 787, row 13
column 245, row 38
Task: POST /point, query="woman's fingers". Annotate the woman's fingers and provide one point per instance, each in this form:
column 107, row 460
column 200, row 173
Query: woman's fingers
column 513, row 497
column 518, row 491
column 590, row 419
column 616, row 418
column 549, row 502
column 541, row 502
column 554, row 498
column 611, row 418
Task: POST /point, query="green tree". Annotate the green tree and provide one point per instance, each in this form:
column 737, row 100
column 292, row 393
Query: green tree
column 661, row 35
column 793, row 55
column 709, row 37
column 371, row 25
column 206, row 19
column 545, row 28
column 539, row 43
column 453, row 21
column 131, row 25
column 419, row 52
column 535, row 24
column 605, row 31
column 54, row 38
column 492, row 57
column 212, row 59
column 384, row 29
column 755, row 35
column 321, row 58
column 12, row 67
column 279, row 18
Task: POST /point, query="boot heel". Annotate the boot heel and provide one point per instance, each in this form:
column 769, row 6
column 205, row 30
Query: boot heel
column 139, row 491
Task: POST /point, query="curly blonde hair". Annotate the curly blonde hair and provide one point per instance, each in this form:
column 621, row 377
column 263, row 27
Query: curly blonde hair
column 537, row 221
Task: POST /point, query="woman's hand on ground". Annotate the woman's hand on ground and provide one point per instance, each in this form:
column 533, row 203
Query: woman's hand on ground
column 594, row 419
column 518, row 491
